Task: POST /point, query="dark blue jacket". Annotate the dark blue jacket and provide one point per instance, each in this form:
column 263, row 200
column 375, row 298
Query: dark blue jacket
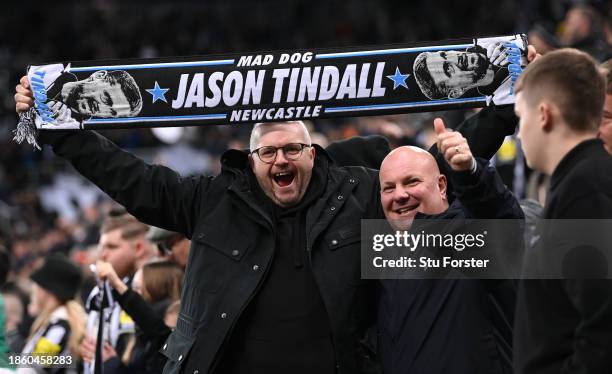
column 454, row 326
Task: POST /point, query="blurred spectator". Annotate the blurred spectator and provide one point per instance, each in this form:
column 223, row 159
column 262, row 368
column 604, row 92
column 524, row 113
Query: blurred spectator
column 60, row 321
column 155, row 287
column 123, row 245
column 582, row 29
column 14, row 310
column 68, row 195
column 605, row 128
column 18, row 322
column 172, row 245
column 172, row 314
column 4, row 270
column 319, row 138
column 159, row 282
column 608, row 25
column 543, row 40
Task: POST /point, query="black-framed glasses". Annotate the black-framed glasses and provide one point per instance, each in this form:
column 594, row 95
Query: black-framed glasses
column 292, row 151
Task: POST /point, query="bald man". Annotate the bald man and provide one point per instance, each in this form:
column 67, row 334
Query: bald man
column 411, row 187
column 445, row 326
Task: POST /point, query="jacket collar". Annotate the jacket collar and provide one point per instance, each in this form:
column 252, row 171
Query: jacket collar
column 454, row 210
column 570, row 160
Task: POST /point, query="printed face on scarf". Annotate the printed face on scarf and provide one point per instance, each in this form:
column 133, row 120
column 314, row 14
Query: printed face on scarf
column 456, row 72
column 605, row 127
column 284, row 181
column 99, row 95
column 410, row 182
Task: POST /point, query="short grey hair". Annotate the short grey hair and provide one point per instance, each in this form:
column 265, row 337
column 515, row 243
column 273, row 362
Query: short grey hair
column 260, row 128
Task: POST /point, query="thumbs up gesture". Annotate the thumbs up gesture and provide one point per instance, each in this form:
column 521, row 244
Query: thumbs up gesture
column 454, row 147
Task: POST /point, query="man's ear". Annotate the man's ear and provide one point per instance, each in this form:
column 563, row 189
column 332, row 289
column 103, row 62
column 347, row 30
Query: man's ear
column 138, row 248
column 313, row 152
column 442, row 183
column 545, row 116
column 455, row 93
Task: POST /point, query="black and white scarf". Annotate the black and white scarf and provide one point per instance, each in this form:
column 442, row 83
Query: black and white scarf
column 273, row 86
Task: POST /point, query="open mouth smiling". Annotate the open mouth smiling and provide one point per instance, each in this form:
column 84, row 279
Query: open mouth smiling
column 284, row 178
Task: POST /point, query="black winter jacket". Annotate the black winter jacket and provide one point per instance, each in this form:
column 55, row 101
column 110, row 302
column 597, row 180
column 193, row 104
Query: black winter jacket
column 233, row 243
column 565, row 325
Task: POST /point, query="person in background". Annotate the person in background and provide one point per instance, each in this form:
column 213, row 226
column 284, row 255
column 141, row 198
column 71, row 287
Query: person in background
column 172, row 245
column 15, row 310
column 4, row 269
column 18, row 323
column 583, row 30
column 172, row 313
column 563, row 325
column 605, row 127
column 122, row 244
column 155, row 286
column 60, row 324
column 543, row 40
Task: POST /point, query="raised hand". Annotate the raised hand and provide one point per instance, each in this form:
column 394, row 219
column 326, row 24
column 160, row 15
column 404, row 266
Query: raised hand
column 104, row 271
column 24, row 98
column 454, row 147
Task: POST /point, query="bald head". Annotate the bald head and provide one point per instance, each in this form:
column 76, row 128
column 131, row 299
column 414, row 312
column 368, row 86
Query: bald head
column 412, row 157
column 410, row 182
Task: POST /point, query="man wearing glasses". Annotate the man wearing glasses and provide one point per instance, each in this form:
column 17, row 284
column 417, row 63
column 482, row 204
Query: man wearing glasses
column 312, row 309
column 283, row 178
column 273, row 283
